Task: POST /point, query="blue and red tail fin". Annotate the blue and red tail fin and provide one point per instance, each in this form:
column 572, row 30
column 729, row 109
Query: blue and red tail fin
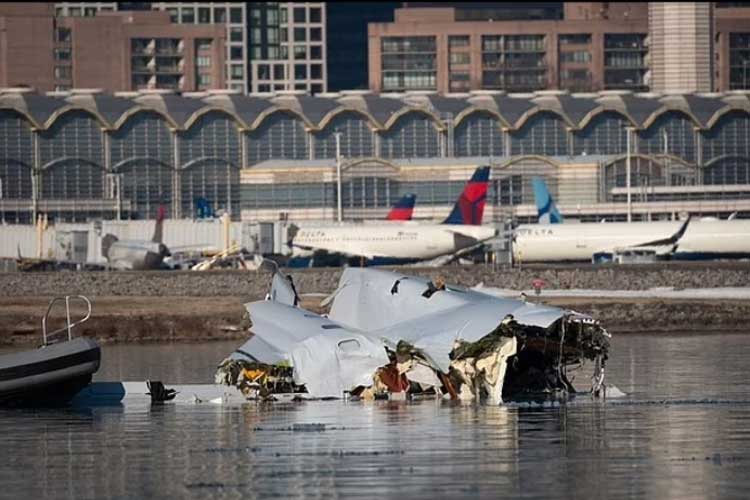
column 469, row 208
column 403, row 209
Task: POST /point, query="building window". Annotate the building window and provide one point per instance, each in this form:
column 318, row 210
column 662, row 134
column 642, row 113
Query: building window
column 316, row 52
column 299, row 35
column 315, row 14
column 62, row 35
column 284, row 34
column 316, row 88
column 203, row 44
column 409, row 63
column 62, row 72
column 300, row 52
column 579, row 56
column 300, row 86
column 576, row 80
column 235, row 53
column 264, row 72
column 575, row 39
column 278, row 72
column 299, row 15
column 460, row 58
column 514, row 62
column 238, row 71
column 188, row 15
column 220, row 15
column 62, row 88
column 316, row 34
column 272, row 17
column 89, row 11
column 625, row 61
column 283, row 15
column 173, row 15
column 204, row 80
column 75, row 11
column 62, row 54
column 235, row 34
column 203, row 61
column 264, row 87
column 204, row 15
column 739, row 60
column 273, row 52
column 255, row 20
column 316, row 71
column 455, row 42
column 235, row 15
column 273, row 35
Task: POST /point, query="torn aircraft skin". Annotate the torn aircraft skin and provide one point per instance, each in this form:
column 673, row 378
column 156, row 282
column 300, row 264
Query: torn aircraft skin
column 389, row 335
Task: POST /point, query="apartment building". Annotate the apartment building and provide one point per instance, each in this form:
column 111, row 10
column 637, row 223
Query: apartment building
column 596, row 46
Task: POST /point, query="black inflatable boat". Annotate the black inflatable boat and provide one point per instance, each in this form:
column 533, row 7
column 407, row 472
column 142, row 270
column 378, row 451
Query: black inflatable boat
column 55, row 372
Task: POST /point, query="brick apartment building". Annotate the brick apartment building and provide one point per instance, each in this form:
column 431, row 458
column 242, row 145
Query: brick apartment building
column 578, row 46
column 113, row 51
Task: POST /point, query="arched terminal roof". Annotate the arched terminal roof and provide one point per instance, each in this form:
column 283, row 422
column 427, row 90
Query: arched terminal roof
column 381, row 110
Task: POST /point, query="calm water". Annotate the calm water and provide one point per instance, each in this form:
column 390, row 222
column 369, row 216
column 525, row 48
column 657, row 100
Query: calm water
column 683, row 432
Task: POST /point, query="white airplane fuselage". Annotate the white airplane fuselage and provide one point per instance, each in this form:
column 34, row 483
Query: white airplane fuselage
column 136, row 255
column 394, row 240
column 579, row 242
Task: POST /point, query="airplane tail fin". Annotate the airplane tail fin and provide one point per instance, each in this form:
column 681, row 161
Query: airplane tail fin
column 469, row 208
column 107, row 243
column 545, row 205
column 158, row 228
column 403, row 209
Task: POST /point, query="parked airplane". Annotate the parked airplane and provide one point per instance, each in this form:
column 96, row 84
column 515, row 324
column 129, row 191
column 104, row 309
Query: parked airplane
column 137, row 254
column 673, row 240
column 545, row 205
column 408, row 242
column 403, row 209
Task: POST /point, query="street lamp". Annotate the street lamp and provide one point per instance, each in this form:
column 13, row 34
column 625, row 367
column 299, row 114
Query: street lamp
column 629, row 131
column 338, row 174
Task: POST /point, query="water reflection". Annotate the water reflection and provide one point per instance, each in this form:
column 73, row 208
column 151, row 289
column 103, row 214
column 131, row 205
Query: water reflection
column 683, row 433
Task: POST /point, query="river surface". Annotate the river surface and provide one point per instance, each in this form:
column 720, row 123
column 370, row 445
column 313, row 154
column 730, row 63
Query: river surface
column 682, row 432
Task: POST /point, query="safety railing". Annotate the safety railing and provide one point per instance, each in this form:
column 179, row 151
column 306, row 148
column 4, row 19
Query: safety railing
column 68, row 325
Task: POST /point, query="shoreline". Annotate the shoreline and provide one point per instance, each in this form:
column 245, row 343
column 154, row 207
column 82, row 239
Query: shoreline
column 149, row 319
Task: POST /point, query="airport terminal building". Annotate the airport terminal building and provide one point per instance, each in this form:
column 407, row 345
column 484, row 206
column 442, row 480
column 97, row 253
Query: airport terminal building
column 83, row 155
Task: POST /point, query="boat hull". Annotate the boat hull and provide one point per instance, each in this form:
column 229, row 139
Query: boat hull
column 49, row 376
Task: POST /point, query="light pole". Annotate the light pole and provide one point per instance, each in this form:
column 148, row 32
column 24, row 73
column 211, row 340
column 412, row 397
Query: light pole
column 338, row 173
column 628, row 134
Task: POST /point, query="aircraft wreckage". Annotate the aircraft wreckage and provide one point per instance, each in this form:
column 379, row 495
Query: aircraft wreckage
column 390, row 335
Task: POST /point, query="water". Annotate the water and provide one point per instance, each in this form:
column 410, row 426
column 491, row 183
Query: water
column 683, row 432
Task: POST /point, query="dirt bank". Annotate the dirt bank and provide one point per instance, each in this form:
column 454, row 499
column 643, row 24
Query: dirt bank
column 146, row 319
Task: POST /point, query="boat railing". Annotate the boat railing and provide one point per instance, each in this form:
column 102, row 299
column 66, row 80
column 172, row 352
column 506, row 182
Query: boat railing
column 68, row 325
